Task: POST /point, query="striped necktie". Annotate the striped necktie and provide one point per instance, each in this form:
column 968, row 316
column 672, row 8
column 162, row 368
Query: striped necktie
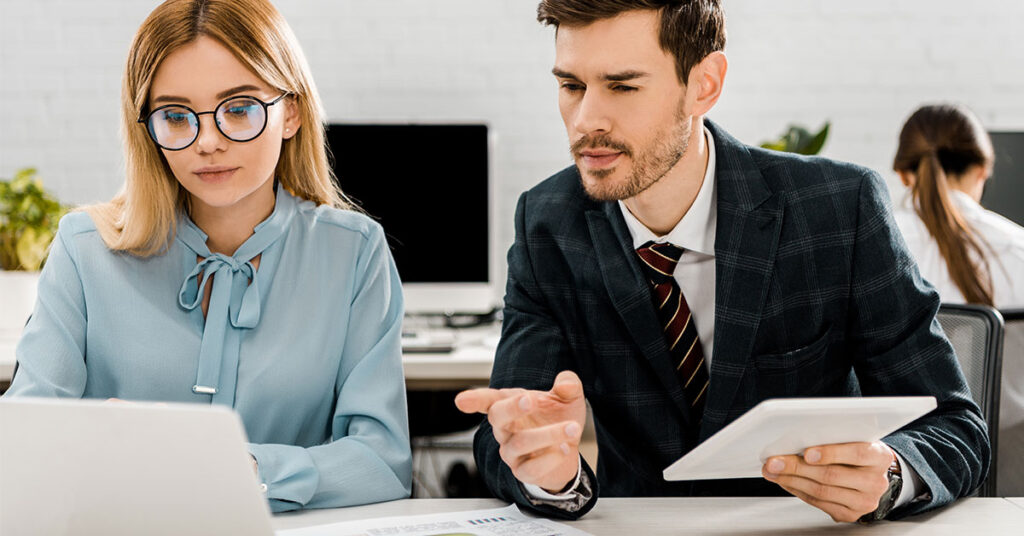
column 658, row 262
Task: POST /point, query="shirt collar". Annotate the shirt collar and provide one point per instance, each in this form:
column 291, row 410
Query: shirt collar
column 964, row 201
column 696, row 230
column 264, row 234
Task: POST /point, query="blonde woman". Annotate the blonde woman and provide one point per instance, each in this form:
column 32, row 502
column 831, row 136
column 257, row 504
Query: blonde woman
column 229, row 270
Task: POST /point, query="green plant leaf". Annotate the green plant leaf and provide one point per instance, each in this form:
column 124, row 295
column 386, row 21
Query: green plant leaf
column 816, row 143
column 32, row 247
column 28, row 221
column 797, row 139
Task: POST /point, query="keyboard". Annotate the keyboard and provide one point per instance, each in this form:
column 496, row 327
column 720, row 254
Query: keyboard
column 428, row 341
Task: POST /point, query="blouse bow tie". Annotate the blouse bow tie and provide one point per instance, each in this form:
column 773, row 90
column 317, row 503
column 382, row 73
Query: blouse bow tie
column 241, row 294
column 235, row 299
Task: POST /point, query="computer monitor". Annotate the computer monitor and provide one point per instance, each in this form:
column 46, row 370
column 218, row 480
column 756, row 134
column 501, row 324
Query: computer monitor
column 428, row 186
column 1004, row 192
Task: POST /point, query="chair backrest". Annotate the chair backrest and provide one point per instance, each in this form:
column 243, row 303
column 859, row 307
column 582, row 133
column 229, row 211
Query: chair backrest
column 976, row 333
column 1011, row 407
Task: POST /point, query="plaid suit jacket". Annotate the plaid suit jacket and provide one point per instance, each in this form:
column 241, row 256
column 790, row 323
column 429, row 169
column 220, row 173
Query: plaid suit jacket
column 815, row 295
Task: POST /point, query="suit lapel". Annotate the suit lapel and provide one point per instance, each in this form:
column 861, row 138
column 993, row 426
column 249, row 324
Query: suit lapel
column 747, row 233
column 631, row 295
column 746, row 236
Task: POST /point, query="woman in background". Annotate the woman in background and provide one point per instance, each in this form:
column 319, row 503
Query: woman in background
column 229, row 269
column 970, row 254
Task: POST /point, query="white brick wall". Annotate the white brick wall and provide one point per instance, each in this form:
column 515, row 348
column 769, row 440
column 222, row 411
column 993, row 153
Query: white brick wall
column 864, row 65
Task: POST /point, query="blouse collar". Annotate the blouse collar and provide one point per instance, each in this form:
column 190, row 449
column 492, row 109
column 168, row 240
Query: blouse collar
column 264, row 234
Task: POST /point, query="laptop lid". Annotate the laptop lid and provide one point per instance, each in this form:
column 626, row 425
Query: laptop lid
column 89, row 467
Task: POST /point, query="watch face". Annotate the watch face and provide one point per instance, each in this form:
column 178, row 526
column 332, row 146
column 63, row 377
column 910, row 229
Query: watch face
column 887, row 500
column 891, row 494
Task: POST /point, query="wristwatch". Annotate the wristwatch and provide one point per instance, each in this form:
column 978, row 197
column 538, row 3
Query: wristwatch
column 888, row 499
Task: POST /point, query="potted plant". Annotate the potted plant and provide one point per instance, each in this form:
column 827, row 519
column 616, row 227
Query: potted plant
column 28, row 223
column 798, row 139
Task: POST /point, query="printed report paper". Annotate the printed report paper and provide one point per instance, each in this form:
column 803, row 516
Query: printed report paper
column 508, row 521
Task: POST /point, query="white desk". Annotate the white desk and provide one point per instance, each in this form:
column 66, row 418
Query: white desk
column 776, row 516
column 468, row 366
column 7, row 344
column 464, row 367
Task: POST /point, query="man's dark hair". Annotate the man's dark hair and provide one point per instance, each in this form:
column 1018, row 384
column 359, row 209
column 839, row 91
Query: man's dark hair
column 690, row 29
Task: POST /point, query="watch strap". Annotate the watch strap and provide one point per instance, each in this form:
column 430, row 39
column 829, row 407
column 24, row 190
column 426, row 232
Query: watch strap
column 891, row 494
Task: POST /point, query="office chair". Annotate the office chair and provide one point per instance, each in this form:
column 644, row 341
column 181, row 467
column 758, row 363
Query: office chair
column 976, row 333
column 440, row 433
column 1011, row 407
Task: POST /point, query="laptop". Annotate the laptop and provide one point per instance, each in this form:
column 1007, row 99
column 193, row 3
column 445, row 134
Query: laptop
column 90, row 467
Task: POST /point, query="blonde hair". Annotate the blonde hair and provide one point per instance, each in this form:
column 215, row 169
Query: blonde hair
column 141, row 219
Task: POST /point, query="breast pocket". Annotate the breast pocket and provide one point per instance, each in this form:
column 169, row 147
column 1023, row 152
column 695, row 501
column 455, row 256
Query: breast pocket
column 805, row 371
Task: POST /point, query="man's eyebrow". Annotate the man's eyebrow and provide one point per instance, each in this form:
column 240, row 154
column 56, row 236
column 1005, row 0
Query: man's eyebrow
column 610, row 77
column 624, row 76
column 563, row 74
column 221, row 95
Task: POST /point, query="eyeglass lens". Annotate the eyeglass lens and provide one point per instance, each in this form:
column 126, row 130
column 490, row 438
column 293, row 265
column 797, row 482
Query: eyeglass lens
column 176, row 127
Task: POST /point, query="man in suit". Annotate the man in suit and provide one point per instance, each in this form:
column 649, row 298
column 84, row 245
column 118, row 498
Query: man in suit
column 675, row 277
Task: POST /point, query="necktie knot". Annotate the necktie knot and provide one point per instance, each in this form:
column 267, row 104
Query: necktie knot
column 659, row 260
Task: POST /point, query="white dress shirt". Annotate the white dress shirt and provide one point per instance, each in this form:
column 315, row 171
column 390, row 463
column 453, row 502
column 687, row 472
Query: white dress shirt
column 1002, row 240
column 695, row 274
column 695, row 233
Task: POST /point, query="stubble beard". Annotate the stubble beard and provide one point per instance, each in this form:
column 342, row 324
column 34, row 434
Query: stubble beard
column 649, row 166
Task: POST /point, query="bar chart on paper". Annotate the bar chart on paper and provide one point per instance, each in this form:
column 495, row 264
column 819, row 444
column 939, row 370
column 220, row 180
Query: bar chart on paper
column 508, row 521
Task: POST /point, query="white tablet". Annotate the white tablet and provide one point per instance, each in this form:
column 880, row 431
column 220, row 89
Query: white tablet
column 790, row 425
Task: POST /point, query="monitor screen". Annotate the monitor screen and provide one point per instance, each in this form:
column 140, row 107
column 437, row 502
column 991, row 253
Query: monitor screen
column 427, row 185
column 1004, row 191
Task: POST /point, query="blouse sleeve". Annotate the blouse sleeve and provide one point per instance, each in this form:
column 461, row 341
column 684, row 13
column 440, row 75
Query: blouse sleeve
column 51, row 351
column 369, row 458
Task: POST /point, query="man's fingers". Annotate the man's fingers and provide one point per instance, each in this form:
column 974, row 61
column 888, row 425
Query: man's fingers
column 860, row 454
column 837, row 512
column 852, row 504
column 834, row 475
column 481, row 400
column 527, row 443
column 567, row 386
column 857, row 501
column 506, row 413
column 845, row 489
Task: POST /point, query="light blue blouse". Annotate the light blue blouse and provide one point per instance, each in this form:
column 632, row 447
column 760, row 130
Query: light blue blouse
column 308, row 352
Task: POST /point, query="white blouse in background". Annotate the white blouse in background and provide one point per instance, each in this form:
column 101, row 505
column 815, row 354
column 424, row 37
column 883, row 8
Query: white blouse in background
column 1003, row 242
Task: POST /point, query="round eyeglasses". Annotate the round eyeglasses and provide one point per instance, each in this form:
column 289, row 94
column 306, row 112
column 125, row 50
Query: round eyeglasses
column 175, row 127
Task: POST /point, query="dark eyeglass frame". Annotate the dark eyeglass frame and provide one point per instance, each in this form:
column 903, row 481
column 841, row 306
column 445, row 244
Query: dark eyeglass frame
column 199, row 124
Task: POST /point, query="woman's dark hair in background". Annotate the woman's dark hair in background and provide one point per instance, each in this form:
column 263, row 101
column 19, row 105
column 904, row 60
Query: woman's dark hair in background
column 938, row 145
